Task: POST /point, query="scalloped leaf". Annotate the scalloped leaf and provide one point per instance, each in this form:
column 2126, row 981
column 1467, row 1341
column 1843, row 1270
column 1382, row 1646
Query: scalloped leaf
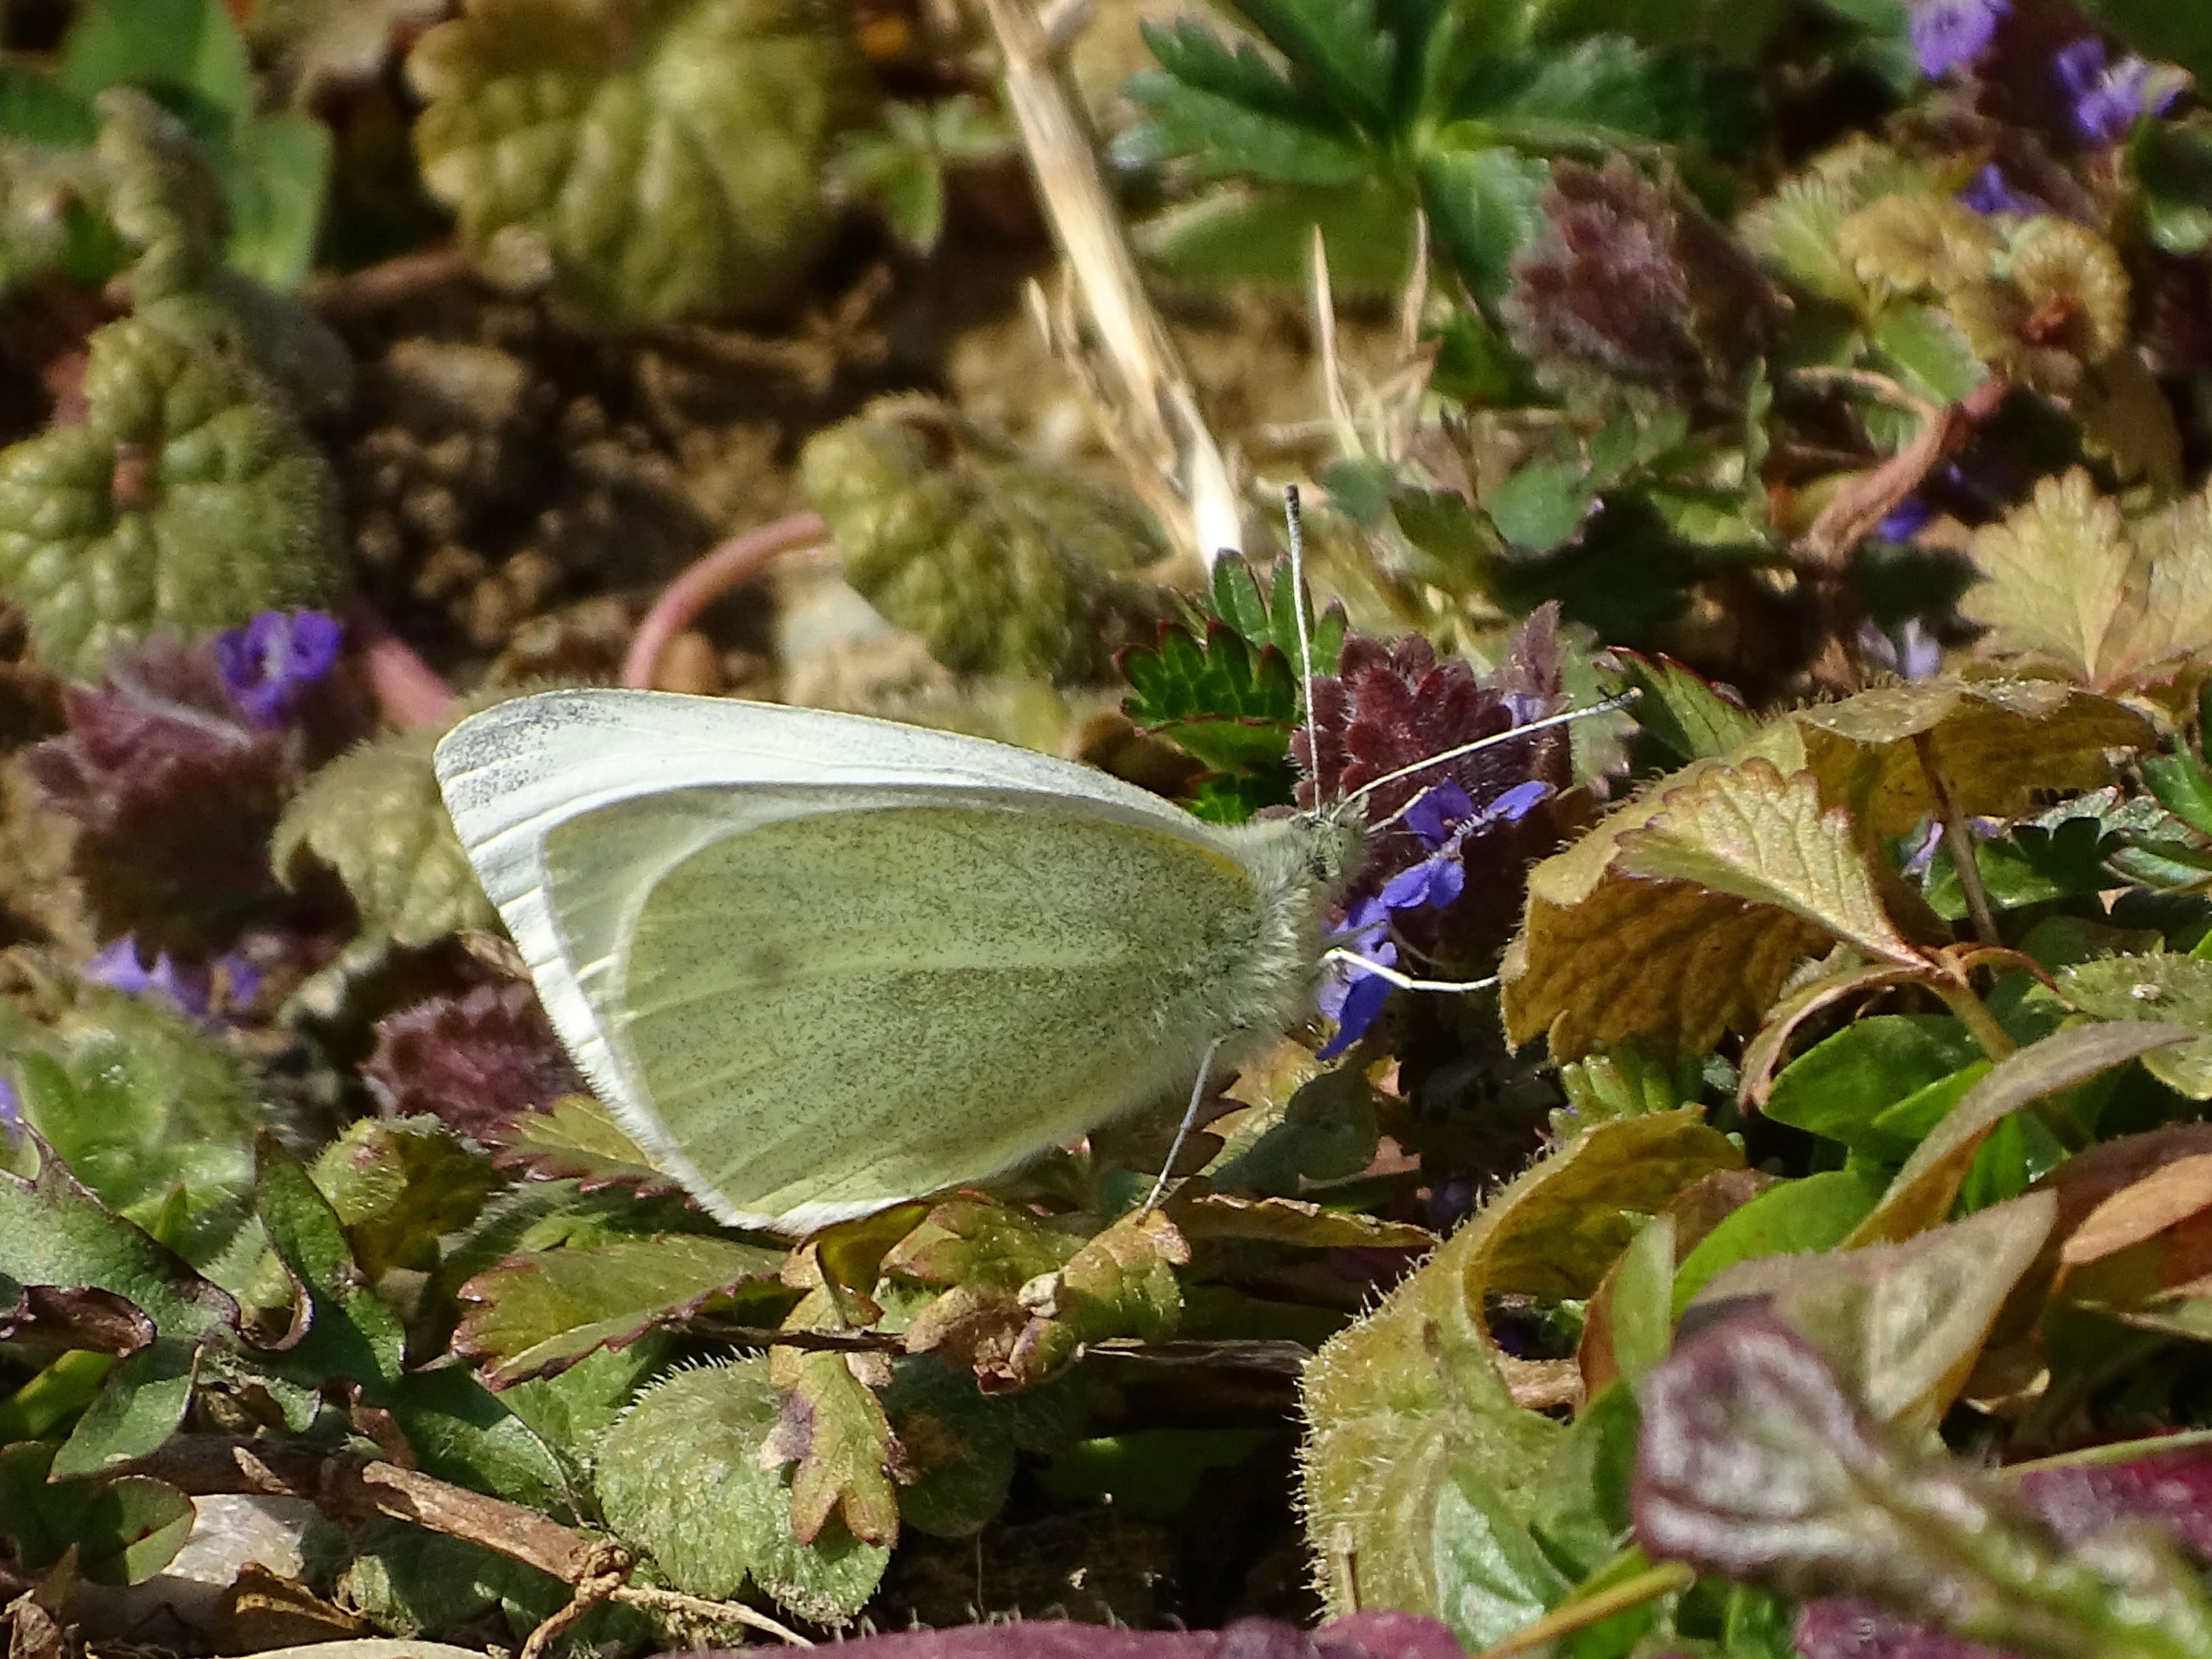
column 398, row 1186
column 188, row 499
column 375, row 816
column 1122, row 1282
column 2167, row 989
column 538, row 1313
column 1003, row 567
column 1735, row 863
column 2070, row 584
column 682, row 1478
column 655, row 161
column 1409, row 1402
column 577, row 1138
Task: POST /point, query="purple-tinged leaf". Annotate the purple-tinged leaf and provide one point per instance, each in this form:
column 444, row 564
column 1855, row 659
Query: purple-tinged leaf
column 1756, row 1463
column 2174, row 1488
column 1842, row 1627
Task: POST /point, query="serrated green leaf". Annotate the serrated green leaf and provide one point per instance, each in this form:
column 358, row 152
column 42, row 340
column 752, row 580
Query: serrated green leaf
column 400, row 1186
column 375, row 816
column 1224, row 138
column 681, row 1478
column 541, row 1312
column 657, row 162
column 1483, row 209
column 1231, row 235
column 1339, row 45
column 188, row 499
column 1541, row 504
column 1680, row 709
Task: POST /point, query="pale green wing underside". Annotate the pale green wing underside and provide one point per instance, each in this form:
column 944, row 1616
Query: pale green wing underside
column 824, row 1002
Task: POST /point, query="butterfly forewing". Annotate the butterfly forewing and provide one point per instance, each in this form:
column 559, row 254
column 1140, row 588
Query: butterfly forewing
column 825, row 1011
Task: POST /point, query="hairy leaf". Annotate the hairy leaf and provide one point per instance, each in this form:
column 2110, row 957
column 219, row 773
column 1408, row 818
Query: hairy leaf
column 655, row 162
column 539, row 1313
column 188, row 499
column 684, row 1477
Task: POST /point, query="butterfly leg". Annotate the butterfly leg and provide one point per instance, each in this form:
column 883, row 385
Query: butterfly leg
column 1406, row 982
column 1189, row 1121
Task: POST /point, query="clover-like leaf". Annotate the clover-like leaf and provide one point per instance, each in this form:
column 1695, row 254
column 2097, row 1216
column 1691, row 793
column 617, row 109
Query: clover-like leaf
column 538, row 1313
column 1738, row 864
column 188, row 499
column 1410, row 1401
column 2071, row 584
column 1754, row 1462
column 684, row 1477
column 375, row 816
column 656, row 159
column 2166, row 989
column 1001, row 565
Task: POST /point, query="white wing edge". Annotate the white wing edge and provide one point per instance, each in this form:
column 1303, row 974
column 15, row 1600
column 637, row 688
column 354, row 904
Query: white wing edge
column 515, row 771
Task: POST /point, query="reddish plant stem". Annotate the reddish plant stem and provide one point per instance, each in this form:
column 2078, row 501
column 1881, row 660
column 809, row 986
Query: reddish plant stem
column 379, row 287
column 408, row 690
column 732, row 564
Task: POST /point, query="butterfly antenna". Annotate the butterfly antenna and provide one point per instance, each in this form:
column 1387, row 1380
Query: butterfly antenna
column 1295, row 523
column 1511, row 734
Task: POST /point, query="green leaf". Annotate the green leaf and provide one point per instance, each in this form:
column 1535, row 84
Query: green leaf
column 1814, row 1213
column 1681, row 710
column 1840, row 1086
column 375, row 816
column 1541, row 504
column 400, row 1186
column 2183, row 787
column 538, row 1313
column 1264, row 234
column 1483, row 210
column 188, row 499
column 2174, row 989
column 2173, row 164
column 1003, row 567
column 123, row 1531
column 40, row 111
column 1339, row 45
column 1410, row 1399
column 276, row 176
column 1492, row 1577
column 655, row 163
column 188, row 44
column 959, row 1449
column 1226, row 139
column 1923, row 342
column 137, row 1411
column 681, row 1478
column 1923, row 1190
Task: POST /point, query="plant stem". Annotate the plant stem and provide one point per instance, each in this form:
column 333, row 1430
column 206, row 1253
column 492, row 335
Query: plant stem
column 1959, row 840
column 1974, row 1015
column 1663, row 1580
column 409, row 691
column 735, row 563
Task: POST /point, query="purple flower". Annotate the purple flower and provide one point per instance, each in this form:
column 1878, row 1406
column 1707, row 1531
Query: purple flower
column 11, row 1113
column 1350, row 994
column 1444, row 819
column 189, row 985
column 2110, row 98
column 264, row 664
column 1905, row 520
column 1947, row 34
column 1988, row 192
column 1912, row 653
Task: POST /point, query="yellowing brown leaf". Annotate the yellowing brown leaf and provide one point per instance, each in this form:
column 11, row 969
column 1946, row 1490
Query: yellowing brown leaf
column 1679, row 917
column 2071, row 586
